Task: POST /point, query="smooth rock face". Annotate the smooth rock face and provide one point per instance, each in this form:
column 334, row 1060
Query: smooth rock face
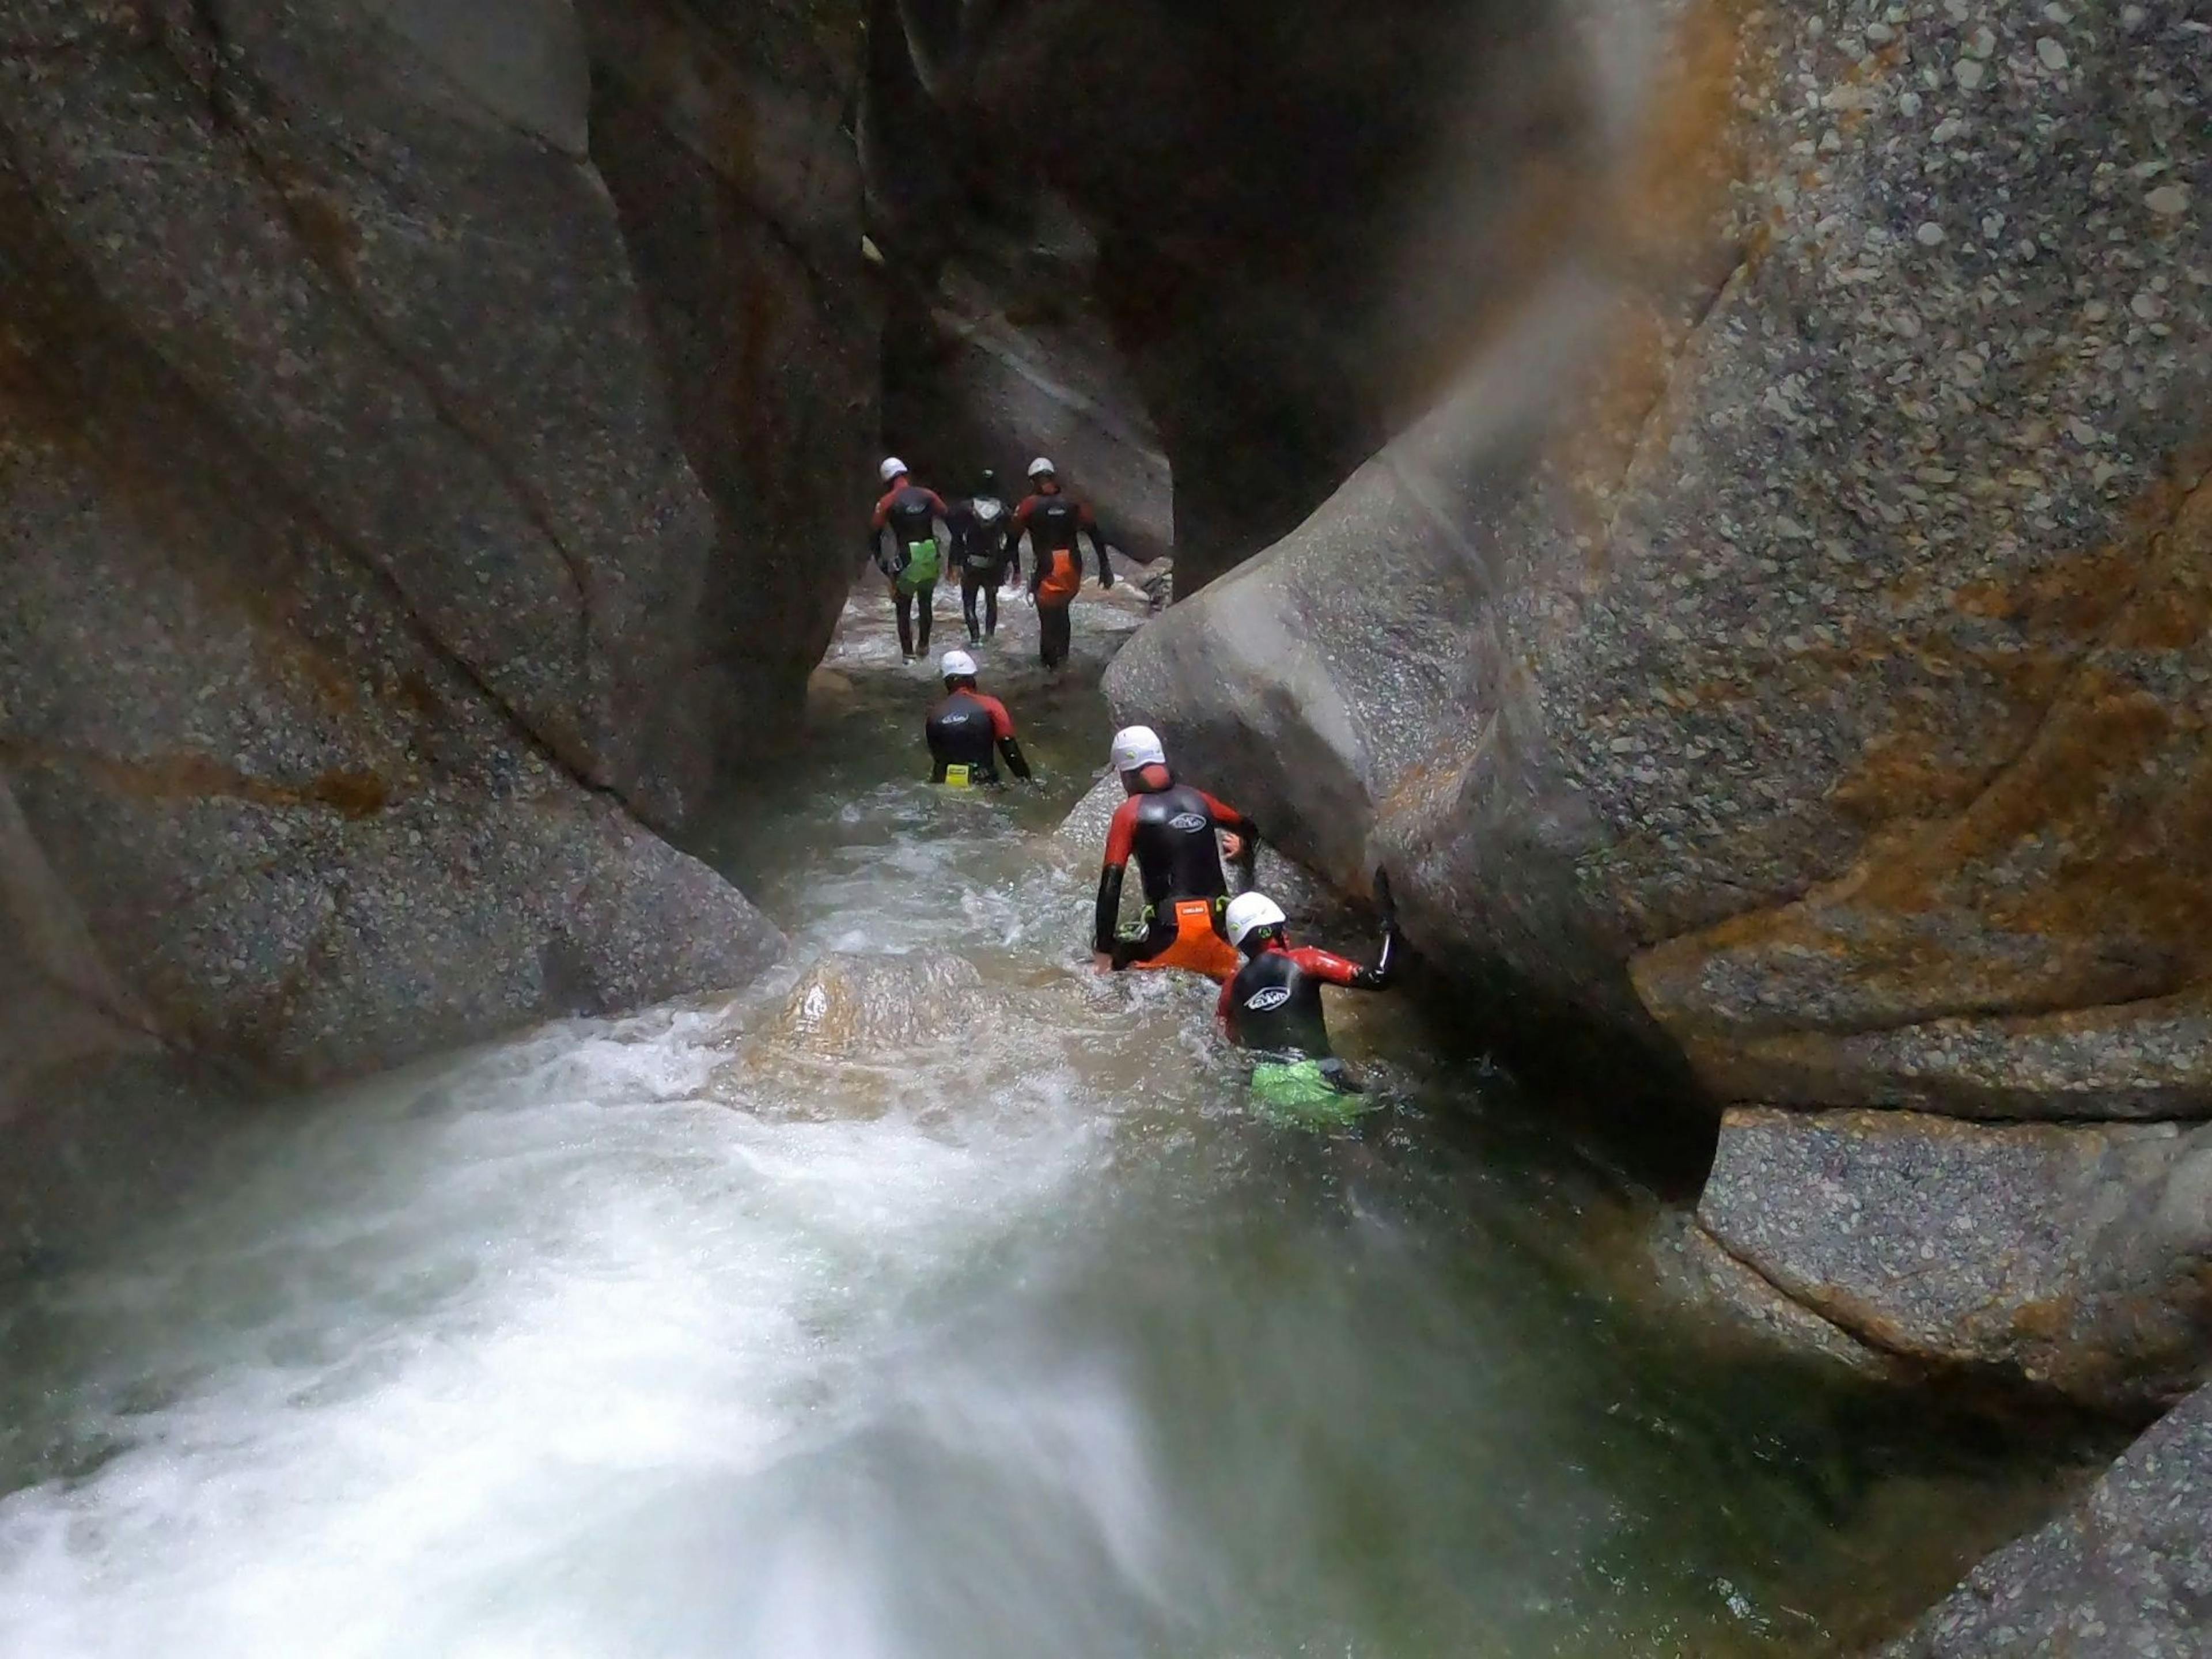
column 379, row 509
column 1305, row 212
column 1789, row 647
column 985, row 375
column 2127, row 1571
column 2075, row 1259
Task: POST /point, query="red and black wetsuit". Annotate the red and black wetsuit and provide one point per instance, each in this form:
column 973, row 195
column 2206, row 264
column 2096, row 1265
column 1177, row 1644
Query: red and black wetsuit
column 1274, row 1003
column 965, row 729
column 1053, row 521
column 910, row 513
column 1171, row 833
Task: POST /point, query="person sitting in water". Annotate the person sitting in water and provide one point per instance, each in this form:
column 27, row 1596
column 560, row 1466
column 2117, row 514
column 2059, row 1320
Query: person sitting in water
column 1274, row 1005
column 1170, row 829
column 911, row 514
column 966, row 728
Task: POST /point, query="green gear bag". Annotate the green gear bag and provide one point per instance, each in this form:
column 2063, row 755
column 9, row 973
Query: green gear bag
column 921, row 565
column 1300, row 1092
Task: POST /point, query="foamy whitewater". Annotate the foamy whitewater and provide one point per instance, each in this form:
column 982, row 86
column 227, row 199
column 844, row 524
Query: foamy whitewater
column 670, row 1336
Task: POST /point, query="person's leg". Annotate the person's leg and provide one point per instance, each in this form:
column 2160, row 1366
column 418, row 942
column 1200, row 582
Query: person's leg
column 1054, row 633
column 925, row 601
column 970, row 579
column 990, row 605
column 903, row 603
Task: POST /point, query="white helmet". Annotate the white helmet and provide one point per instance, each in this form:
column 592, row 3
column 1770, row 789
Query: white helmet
column 891, row 468
column 1136, row 747
column 1041, row 468
column 958, row 665
column 1249, row 912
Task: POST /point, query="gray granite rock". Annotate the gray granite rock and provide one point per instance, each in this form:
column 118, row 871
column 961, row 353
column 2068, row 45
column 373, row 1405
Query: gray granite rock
column 2125, row 1573
column 393, row 518
column 2069, row 1259
column 1301, row 224
column 1798, row 623
column 295, row 835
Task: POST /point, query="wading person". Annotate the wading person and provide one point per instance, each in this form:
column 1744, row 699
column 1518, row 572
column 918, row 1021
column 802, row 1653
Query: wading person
column 978, row 526
column 1178, row 835
column 1272, row 1007
column 910, row 513
column 1054, row 520
column 967, row 731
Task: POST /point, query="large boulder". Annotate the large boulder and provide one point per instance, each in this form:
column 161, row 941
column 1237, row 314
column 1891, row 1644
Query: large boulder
column 2069, row 1258
column 1788, row 647
column 2127, row 1570
column 382, row 496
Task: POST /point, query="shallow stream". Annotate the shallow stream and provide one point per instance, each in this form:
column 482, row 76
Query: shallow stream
column 683, row 1335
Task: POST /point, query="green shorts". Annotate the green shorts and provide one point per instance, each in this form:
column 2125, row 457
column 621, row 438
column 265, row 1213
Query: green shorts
column 1304, row 1091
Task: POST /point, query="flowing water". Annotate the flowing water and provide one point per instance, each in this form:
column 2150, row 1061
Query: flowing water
column 698, row 1334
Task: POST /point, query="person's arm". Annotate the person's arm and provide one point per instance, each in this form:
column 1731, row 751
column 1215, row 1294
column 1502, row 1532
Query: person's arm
column 941, row 518
column 1120, row 841
column 1015, row 526
column 1337, row 970
column 1002, row 732
column 1242, row 834
column 1225, row 1010
column 876, row 520
column 1087, row 524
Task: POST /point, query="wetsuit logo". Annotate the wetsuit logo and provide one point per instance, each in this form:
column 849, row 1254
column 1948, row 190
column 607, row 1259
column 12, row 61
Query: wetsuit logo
column 1189, row 822
column 1266, row 1001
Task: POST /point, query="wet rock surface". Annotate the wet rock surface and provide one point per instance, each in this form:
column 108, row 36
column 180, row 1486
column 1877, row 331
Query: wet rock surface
column 2128, row 1571
column 370, row 562
column 1786, row 647
column 1303, row 214
column 2068, row 1258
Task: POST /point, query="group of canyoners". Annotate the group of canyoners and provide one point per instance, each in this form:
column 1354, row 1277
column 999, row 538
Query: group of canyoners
column 1180, row 837
column 983, row 538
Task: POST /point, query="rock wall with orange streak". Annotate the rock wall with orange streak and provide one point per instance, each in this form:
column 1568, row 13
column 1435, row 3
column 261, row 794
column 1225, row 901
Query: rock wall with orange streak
column 1786, row 649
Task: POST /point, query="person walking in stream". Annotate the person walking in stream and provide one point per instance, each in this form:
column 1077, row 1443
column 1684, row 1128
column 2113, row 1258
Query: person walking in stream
column 978, row 526
column 966, row 731
column 1054, row 520
column 1272, row 1007
column 1178, row 835
column 914, row 558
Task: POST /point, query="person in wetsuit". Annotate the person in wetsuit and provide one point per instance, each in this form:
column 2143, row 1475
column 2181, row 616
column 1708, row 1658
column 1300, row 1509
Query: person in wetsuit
column 1170, row 829
column 979, row 548
column 967, row 731
column 910, row 513
column 1054, row 519
column 1274, row 1005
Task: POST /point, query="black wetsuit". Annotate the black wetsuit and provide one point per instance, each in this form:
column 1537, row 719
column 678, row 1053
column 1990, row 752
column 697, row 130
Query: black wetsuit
column 1274, row 1005
column 979, row 529
column 909, row 512
column 1054, row 520
column 969, row 729
column 1171, row 832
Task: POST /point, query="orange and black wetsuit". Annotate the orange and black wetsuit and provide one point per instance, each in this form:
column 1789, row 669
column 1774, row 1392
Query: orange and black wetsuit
column 910, row 513
column 1170, row 831
column 1053, row 521
column 964, row 729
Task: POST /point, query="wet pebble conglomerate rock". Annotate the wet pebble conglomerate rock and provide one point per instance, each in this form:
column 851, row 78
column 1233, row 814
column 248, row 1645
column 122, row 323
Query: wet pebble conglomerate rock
column 2127, row 1571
